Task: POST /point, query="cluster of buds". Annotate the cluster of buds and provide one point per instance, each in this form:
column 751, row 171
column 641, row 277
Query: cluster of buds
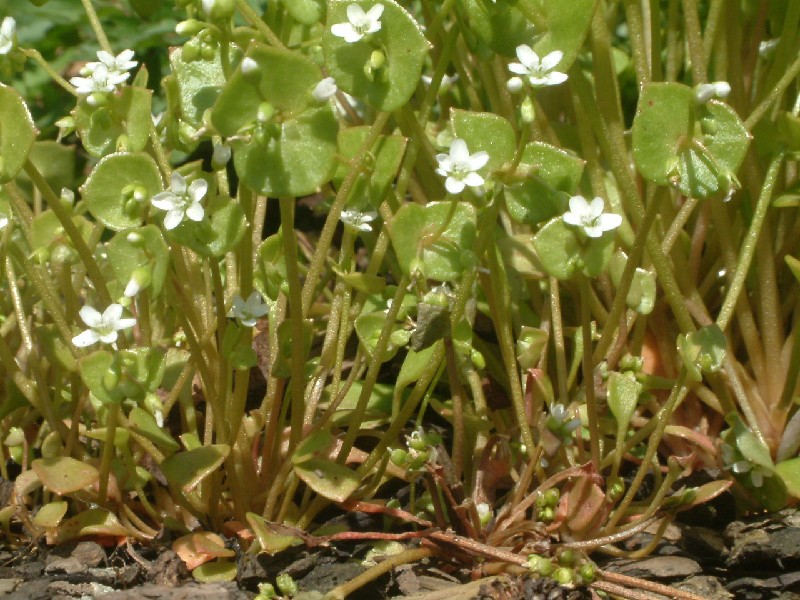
column 568, row 568
column 546, row 505
column 420, row 449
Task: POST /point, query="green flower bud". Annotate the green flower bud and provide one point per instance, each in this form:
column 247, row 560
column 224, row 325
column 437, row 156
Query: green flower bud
column 189, row 27
column 540, row 565
column 286, row 585
column 399, row 457
column 567, row 558
column 527, row 111
column 587, row 572
column 564, row 576
column 552, row 496
column 191, row 50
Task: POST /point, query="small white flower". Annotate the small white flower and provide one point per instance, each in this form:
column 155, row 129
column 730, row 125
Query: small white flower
column 766, row 47
column 359, row 24
column 98, row 78
column 207, row 5
column 539, row 72
column 515, row 84
column 590, row 216
column 740, row 467
column 8, row 32
column 447, row 80
column 4, row 220
column 120, row 63
column 221, row 155
column 247, row 312
column 325, row 90
column 460, row 167
column 181, row 201
column 102, row 328
column 358, row 220
column 559, row 414
column 706, row 91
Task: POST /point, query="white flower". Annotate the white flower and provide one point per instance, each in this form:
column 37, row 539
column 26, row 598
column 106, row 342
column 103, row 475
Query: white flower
column 181, row 201
column 460, row 167
column 8, row 31
column 248, row 311
column 102, row 328
column 4, row 220
column 360, row 23
column 539, row 72
column 98, row 79
column 590, row 216
column 221, row 155
column 358, row 220
column 120, row 63
column 325, row 90
column 249, row 66
column 447, row 80
column 706, row 91
column 740, row 467
column 558, row 420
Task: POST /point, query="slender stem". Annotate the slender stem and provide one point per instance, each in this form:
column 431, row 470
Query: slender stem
column 694, row 40
column 96, row 26
column 295, row 319
column 109, row 450
column 588, row 373
column 750, row 241
column 558, row 339
column 54, row 75
column 633, row 13
column 409, row 556
column 256, row 21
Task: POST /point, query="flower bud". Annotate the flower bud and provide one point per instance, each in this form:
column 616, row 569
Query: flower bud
column 564, row 576
column 190, row 27
column 221, row 156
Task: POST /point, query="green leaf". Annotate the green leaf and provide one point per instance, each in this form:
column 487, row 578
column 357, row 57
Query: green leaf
column 500, row 26
column 384, row 161
column 271, row 272
column 109, row 190
column 307, row 12
column 698, row 147
column 50, row 515
column 368, row 327
column 565, row 26
column 216, row 570
column 294, row 160
column 562, row 253
column 143, row 423
column 95, row 521
column 199, row 84
column 187, row 469
column 703, row 351
column 63, row 474
column 329, row 479
column 486, row 132
column 127, row 114
column 545, row 179
column 56, row 163
column 530, row 345
column 789, row 470
column 140, row 248
column 642, row 293
column 414, row 366
column 623, row 396
column 47, row 233
column 101, row 373
column 272, row 543
column 282, row 366
column 434, row 238
column 283, row 78
column 56, row 351
column 401, row 41
column 17, row 133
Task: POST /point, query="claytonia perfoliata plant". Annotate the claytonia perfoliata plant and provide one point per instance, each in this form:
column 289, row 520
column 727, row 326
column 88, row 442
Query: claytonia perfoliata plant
column 8, row 32
column 102, row 327
column 359, row 23
column 181, row 200
column 537, row 72
column 247, row 312
column 357, row 220
column 104, row 75
column 589, row 216
column 733, row 461
column 460, row 167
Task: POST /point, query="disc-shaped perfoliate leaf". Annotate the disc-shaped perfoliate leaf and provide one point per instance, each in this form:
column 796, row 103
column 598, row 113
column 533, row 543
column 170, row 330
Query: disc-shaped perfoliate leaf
column 47, row 232
column 384, row 160
column 702, row 351
column 284, row 79
column 486, row 132
column 306, row 12
column 296, row 161
column 64, row 474
column 676, row 140
column 186, row 469
column 127, row 113
column 17, row 133
column 400, row 39
column 100, row 373
column 563, row 253
column 55, row 161
column 221, row 228
column 434, row 238
column 642, row 292
column 544, row 180
column 199, row 83
column 119, row 189
column 140, row 248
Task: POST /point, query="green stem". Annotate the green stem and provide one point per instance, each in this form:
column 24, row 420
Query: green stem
column 633, row 14
column 295, row 319
column 694, row 40
column 750, row 241
column 557, row 323
column 96, row 26
column 109, row 450
column 256, row 21
column 588, row 373
column 784, row 82
column 54, row 75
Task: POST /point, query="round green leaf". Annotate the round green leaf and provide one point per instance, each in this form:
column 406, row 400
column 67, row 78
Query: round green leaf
column 565, row 25
column 100, row 373
column 199, row 83
column 127, row 113
column 562, row 253
column 107, row 190
column 139, row 248
column 283, row 78
column 296, row 161
column 401, row 41
column 486, row 132
column 17, row 133
column 187, row 469
column 434, row 238
column 64, row 474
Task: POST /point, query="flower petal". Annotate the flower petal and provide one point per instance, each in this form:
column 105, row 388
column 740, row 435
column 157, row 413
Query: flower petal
column 86, row 338
column 527, row 56
column 554, row 78
column 578, row 206
column 195, row 211
column 355, row 14
column 453, row 185
column 177, row 183
column 459, row 153
column 109, row 338
column 173, row 219
column 90, row 316
column 125, row 323
column 112, row 314
column 198, row 189
column 550, row 61
column 472, row 180
column 596, row 207
column 609, row 221
column 374, row 13
column 519, row 69
column 165, row 201
column 478, row 160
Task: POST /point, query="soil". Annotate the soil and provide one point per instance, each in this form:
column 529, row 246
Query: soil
column 753, row 559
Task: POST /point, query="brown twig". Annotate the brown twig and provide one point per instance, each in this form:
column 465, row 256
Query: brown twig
column 643, row 584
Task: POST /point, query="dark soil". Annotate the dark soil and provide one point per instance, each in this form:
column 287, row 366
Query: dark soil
column 754, row 559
